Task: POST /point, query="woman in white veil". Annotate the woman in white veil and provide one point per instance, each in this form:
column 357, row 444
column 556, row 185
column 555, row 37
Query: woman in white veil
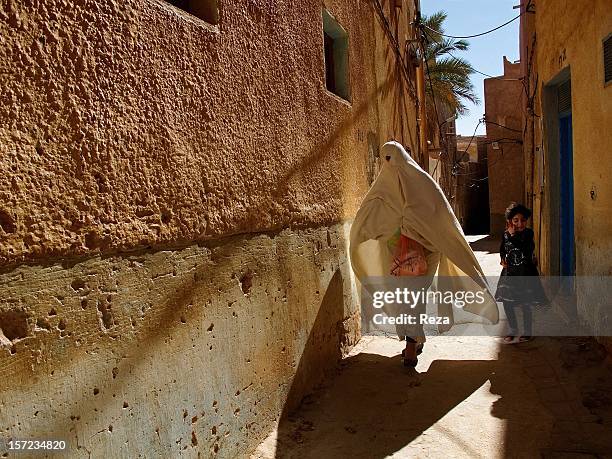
column 405, row 198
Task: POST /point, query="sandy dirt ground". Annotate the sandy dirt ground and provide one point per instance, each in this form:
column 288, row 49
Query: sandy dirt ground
column 468, row 397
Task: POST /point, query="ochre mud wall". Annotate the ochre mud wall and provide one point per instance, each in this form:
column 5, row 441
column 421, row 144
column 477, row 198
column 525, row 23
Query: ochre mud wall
column 570, row 45
column 186, row 351
column 570, row 39
column 174, row 216
column 126, row 124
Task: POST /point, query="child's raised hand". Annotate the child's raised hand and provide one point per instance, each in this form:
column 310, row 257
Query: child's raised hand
column 510, row 227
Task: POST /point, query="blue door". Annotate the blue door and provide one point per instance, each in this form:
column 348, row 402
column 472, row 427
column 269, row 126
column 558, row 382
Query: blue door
column 566, row 211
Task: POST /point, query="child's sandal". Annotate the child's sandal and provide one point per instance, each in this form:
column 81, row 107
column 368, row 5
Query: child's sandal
column 509, row 339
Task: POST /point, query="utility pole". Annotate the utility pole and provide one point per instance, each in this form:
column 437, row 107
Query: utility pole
column 420, row 83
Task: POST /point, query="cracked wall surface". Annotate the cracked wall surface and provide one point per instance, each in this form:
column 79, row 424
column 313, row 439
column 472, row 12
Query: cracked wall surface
column 173, row 216
column 170, row 353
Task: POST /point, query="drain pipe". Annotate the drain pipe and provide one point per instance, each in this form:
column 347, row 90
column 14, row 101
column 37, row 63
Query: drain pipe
column 420, row 83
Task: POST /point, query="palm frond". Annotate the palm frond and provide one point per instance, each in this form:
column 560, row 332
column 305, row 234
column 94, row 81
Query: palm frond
column 449, row 82
column 435, row 21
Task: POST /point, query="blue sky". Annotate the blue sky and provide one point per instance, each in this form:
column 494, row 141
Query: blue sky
column 468, row 17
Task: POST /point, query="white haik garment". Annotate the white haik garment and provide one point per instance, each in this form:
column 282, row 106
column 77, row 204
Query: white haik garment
column 404, row 196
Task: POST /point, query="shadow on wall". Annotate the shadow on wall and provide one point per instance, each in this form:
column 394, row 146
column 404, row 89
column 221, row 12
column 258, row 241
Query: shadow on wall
column 403, row 98
column 117, row 375
column 328, row 322
column 323, row 149
column 395, row 94
column 102, row 380
column 176, row 377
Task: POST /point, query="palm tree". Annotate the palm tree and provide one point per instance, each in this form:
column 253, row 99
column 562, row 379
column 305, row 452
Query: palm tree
column 448, row 76
column 448, row 87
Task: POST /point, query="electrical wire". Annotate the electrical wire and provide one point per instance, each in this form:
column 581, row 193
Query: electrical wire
column 435, row 109
column 501, row 156
column 502, row 140
column 457, row 161
column 425, row 37
column 482, row 33
column 395, row 47
column 483, row 73
column 502, row 126
column 486, row 74
column 503, row 78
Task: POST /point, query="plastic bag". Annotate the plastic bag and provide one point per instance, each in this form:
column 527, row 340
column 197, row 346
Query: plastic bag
column 408, row 256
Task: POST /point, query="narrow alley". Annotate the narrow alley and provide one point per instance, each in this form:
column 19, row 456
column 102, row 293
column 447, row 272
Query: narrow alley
column 208, row 207
column 469, row 397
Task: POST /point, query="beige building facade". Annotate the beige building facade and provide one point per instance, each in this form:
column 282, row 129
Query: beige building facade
column 504, row 127
column 566, row 55
column 174, row 214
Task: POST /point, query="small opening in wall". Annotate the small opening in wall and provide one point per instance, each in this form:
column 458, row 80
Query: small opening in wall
column 607, row 52
column 207, row 10
column 335, row 42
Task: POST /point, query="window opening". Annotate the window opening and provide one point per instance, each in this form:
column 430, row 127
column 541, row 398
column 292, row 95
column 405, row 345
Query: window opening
column 208, row 10
column 335, row 42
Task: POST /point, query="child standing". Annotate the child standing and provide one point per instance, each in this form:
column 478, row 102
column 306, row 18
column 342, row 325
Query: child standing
column 516, row 288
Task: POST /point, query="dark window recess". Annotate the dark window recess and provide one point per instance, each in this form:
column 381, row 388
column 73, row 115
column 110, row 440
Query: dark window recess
column 607, row 48
column 330, row 76
column 207, row 10
column 335, row 42
column 564, row 97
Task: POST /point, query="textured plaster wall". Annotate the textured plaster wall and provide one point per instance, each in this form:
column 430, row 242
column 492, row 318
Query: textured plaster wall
column 505, row 165
column 569, row 38
column 132, row 124
column 173, row 273
column 190, row 352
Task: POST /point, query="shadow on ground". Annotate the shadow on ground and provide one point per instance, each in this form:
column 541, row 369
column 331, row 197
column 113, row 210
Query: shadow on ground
column 518, row 401
column 469, row 397
column 486, row 244
column 375, row 408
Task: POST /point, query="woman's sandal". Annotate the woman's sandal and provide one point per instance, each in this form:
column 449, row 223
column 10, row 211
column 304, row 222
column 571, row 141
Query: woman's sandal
column 409, row 362
column 412, row 362
column 525, row 339
column 509, row 339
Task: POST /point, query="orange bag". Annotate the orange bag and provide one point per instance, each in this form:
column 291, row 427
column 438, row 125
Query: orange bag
column 408, row 257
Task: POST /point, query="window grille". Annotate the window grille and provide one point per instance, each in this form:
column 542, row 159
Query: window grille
column 564, row 97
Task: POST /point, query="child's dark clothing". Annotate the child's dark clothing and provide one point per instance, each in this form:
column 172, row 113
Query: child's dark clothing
column 519, row 284
column 517, row 250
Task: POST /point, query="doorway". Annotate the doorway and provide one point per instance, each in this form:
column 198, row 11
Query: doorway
column 567, row 263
